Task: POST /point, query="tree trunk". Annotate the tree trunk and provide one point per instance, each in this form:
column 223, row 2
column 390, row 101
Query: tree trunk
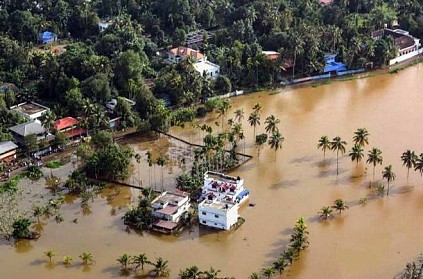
column 337, row 160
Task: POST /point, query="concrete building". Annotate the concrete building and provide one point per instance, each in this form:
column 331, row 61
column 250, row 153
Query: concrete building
column 168, row 209
column 7, row 151
column 69, row 127
column 207, row 69
column 34, row 127
column 218, row 214
column 30, row 110
column 222, row 195
column 407, row 45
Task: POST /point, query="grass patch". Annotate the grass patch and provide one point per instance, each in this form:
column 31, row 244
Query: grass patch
column 54, row 164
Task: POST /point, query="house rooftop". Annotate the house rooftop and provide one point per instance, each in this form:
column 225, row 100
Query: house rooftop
column 402, row 38
column 205, row 66
column 185, row 52
column 168, row 197
column 167, row 225
column 29, row 108
column 217, row 204
column 64, row 123
column 6, row 146
column 221, row 177
column 28, row 128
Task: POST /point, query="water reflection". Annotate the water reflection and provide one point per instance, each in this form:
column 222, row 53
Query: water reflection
column 23, row 245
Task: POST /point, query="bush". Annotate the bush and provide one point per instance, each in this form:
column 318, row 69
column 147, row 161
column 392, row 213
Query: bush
column 54, row 164
column 201, row 111
column 34, row 173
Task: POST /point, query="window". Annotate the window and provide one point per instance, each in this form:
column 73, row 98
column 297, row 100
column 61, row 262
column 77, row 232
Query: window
column 204, row 213
column 204, row 222
column 216, row 216
column 215, row 224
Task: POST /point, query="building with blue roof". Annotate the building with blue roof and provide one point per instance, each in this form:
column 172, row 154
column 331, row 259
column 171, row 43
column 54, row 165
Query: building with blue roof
column 333, row 66
column 47, row 37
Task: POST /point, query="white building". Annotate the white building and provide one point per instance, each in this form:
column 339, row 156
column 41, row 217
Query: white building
column 407, row 45
column 222, row 195
column 103, row 25
column 217, row 214
column 30, row 110
column 207, row 69
column 168, row 209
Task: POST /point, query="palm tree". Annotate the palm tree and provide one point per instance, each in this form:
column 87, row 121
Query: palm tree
column 124, row 261
column 138, row 160
column 161, row 268
column 339, row 145
column 408, row 159
column 140, row 260
column 374, row 157
column 389, row 175
column 419, row 164
column 191, row 272
column 254, row 276
column 275, row 141
column 257, row 108
column 324, row 144
column 223, row 108
column 361, row 137
column 280, row 265
column 239, row 115
column 268, row 271
column 49, row 120
column 356, row 153
column 161, row 161
column 87, row 258
column 67, row 260
column 254, row 120
column 50, row 253
column 271, row 124
column 339, row 205
column 325, row 212
column 37, row 212
column 211, row 273
column 150, row 164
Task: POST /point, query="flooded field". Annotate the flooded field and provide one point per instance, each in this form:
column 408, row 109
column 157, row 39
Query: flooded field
column 374, row 240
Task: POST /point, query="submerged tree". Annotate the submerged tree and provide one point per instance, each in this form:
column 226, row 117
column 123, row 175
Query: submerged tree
column 338, row 145
column 356, row 153
column 418, row 166
column 324, row 144
column 254, row 120
column 271, row 124
column 408, row 159
column 389, row 175
column 361, row 137
column 325, row 212
column 124, row 261
column 339, row 205
column 374, row 157
column 275, row 141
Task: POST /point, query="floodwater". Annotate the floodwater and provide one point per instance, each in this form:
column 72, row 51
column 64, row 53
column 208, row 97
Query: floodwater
column 374, row 240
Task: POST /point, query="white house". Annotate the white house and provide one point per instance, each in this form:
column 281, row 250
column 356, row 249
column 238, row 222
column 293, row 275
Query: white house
column 201, row 64
column 168, row 209
column 217, row 213
column 103, row 25
column 30, row 110
column 222, row 195
column 407, row 45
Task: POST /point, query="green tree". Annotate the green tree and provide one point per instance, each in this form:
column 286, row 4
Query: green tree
column 124, row 261
column 325, row 212
column 408, row 159
column 324, row 144
column 268, row 271
column 271, row 124
column 161, row 268
column 356, row 153
column 339, row 205
column 418, row 166
column 67, row 260
column 97, row 88
column 361, row 137
column 255, row 276
column 222, row 85
column 389, row 175
column 211, row 273
column 191, row 272
column 260, row 141
column 140, row 260
column 21, row 228
column 254, row 120
column 374, row 157
column 50, row 253
column 275, row 141
column 239, row 115
column 280, row 265
column 338, row 145
column 87, row 258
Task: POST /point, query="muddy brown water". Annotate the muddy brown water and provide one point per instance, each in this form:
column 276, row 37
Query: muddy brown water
column 371, row 241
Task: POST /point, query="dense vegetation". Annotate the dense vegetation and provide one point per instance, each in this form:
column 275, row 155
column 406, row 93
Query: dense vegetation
column 117, row 62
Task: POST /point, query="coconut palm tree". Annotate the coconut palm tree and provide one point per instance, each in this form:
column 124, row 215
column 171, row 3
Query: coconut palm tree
column 268, row 271
column 275, row 141
column 325, row 212
column 339, row 205
column 49, row 120
column 138, row 160
column 408, row 159
column 338, row 145
column 254, row 120
column 140, row 260
column 254, row 276
column 50, row 253
column 374, row 157
column 67, row 260
column 361, row 137
column 239, row 115
column 257, row 108
column 223, row 108
column 323, row 144
column 389, row 175
column 418, row 166
column 211, row 273
column 280, row 265
column 271, row 124
column 161, row 161
column 191, row 272
column 356, row 153
column 161, row 267
column 150, row 164
column 124, row 261
column 87, row 258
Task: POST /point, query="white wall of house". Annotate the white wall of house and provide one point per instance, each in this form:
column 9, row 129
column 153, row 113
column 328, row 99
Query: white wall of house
column 217, row 218
column 405, row 56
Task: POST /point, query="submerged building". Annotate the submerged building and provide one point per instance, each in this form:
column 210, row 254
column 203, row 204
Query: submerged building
column 222, row 195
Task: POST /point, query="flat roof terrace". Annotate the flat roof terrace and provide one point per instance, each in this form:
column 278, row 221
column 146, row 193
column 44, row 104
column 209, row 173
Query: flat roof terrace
column 221, row 177
column 217, row 204
column 29, row 108
column 169, row 197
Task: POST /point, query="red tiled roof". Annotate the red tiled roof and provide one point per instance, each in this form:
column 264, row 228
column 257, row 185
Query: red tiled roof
column 326, row 2
column 186, row 51
column 65, row 123
column 75, row 132
column 168, row 225
column 168, row 210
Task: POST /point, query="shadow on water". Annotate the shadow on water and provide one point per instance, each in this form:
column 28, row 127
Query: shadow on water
column 23, row 245
column 285, row 184
column 303, row 159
